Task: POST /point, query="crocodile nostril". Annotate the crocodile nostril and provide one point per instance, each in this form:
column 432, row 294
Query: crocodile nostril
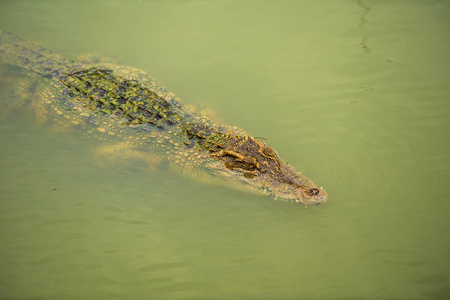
column 312, row 192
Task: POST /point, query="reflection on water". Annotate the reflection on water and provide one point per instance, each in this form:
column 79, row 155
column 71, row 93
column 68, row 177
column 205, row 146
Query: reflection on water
column 362, row 24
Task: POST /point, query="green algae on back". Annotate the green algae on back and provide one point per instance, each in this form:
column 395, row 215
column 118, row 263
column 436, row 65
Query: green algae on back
column 125, row 107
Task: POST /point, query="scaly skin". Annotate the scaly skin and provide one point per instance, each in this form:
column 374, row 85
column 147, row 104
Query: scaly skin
column 126, row 106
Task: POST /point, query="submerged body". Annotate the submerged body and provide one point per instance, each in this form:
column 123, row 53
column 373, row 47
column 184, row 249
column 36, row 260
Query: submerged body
column 127, row 107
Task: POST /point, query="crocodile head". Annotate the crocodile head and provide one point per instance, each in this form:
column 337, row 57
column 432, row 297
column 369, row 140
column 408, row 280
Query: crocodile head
column 257, row 165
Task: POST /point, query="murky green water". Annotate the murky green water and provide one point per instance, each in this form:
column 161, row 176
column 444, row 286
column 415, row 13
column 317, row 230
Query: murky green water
column 355, row 94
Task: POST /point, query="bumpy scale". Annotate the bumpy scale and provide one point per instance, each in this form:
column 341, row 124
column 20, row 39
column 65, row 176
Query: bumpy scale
column 127, row 106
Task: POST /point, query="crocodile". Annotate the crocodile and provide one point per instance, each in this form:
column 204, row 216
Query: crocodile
column 126, row 106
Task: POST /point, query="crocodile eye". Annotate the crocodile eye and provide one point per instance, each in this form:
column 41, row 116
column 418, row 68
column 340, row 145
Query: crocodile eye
column 247, row 166
column 267, row 151
column 240, row 164
column 312, row 192
column 249, row 175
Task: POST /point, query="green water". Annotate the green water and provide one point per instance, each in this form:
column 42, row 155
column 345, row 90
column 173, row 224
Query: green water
column 354, row 94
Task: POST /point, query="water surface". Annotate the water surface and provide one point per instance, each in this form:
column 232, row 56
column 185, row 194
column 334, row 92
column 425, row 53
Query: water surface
column 354, row 94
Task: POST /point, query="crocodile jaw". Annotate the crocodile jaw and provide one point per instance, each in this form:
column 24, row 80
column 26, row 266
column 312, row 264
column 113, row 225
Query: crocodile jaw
column 266, row 185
